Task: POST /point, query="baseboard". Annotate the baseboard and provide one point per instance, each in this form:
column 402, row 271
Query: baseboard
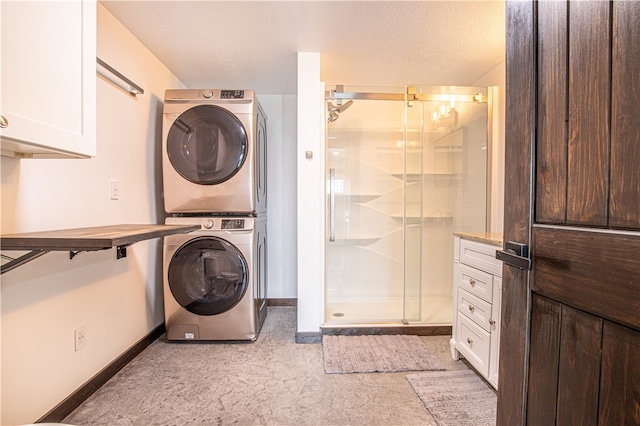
column 73, row 401
column 308, row 337
column 282, row 302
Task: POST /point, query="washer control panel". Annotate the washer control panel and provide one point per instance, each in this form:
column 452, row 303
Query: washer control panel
column 232, row 224
column 216, row 223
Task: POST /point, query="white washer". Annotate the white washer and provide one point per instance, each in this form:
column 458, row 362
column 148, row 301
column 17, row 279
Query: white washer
column 214, row 154
column 215, row 279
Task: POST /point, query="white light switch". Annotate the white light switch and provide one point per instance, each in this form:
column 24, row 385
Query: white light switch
column 308, row 155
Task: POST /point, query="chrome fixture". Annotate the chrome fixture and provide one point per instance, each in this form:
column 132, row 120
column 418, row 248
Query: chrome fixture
column 336, row 110
column 114, row 76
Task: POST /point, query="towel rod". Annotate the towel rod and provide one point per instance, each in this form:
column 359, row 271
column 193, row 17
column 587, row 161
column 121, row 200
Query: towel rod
column 128, row 86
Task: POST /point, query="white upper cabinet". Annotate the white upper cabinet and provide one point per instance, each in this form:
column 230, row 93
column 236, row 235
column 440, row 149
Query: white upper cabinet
column 48, row 79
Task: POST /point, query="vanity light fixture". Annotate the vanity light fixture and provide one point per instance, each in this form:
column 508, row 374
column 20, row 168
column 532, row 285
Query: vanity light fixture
column 445, row 117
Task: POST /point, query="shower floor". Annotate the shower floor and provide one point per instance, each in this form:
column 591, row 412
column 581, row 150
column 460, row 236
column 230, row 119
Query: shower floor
column 436, row 310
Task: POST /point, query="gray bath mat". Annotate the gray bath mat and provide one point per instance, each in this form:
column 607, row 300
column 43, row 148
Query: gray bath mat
column 369, row 354
column 456, row 397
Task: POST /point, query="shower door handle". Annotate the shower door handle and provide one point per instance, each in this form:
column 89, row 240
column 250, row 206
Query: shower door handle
column 332, row 205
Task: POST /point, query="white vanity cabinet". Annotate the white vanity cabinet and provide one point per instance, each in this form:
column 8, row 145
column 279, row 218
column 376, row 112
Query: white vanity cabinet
column 477, row 290
column 48, row 79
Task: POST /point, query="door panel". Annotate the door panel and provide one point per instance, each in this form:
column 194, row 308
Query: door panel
column 574, row 344
column 365, row 194
column 571, row 329
column 551, row 188
column 619, row 384
column 594, row 271
column 578, row 368
column 545, row 347
column 624, row 198
column 588, row 119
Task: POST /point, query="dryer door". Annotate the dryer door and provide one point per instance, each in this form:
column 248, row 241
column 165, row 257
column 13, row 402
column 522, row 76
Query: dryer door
column 207, row 145
column 208, row 276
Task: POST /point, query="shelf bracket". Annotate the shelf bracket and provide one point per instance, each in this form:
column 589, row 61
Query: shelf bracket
column 34, row 254
column 121, row 251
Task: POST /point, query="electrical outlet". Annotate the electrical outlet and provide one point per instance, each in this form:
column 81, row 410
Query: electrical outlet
column 80, row 337
column 114, row 189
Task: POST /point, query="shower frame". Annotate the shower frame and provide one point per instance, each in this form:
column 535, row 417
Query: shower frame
column 411, row 96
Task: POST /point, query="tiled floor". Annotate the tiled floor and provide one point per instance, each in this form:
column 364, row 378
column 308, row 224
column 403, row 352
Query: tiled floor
column 273, row 381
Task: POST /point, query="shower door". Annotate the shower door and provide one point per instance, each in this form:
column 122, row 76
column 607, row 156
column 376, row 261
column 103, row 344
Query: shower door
column 365, row 244
column 396, row 191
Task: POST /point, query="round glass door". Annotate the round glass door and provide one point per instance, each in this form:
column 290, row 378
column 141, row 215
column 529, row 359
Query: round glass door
column 207, row 145
column 208, row 276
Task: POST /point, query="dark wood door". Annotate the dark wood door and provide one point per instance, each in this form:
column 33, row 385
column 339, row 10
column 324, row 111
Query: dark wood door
column 570, row 339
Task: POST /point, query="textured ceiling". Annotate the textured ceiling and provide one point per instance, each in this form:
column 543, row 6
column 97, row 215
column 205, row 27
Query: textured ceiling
column 253, row 44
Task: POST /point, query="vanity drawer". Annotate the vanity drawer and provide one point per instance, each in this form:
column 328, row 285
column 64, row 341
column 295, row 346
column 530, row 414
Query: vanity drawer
column 473, row 343
column 481, row 256
column 474, row 308
column 476, row 282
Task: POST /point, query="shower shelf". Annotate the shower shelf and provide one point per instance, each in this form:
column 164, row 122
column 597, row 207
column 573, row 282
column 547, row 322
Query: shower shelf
column 360, row 240
column 359, row 198
column 426, row 218
column 412, row 177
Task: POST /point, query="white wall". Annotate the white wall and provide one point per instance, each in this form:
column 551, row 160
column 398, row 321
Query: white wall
column 497, row 77
column 118, row 301
column 310, row 194
column 281, row 198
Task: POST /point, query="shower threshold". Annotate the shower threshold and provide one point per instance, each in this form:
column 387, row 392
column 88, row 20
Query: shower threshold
column 385, row 329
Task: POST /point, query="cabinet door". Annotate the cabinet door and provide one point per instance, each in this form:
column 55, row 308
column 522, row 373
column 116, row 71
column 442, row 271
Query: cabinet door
column 48, row 78
column 494, row 349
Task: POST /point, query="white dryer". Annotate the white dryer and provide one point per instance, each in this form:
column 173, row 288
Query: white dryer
column 214, row 154
column 215, row 279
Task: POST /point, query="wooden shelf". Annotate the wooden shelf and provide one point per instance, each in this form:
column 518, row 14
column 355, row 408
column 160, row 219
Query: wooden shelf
column 84, row 239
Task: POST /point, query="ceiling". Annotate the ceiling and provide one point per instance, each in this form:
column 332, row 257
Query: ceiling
column 253, row 44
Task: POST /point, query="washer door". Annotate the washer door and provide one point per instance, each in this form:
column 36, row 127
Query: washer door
column 207, row 145
column 208, row 276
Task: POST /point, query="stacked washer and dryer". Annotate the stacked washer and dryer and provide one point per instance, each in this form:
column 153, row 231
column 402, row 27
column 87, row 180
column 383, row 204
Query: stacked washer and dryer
column 214, row 174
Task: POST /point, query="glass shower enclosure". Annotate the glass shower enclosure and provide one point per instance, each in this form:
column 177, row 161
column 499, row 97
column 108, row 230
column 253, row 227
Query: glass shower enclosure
column 405, row 167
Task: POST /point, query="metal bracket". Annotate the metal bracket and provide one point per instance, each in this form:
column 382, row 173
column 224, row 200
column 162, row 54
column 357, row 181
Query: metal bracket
column 515, row 254
column 34, row 254
column 121, row 251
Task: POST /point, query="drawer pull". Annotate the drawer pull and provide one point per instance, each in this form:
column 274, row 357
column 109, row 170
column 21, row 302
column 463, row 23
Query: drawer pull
column 492, row 322
column 472, row 308
column 469, row 341
column 472, row 282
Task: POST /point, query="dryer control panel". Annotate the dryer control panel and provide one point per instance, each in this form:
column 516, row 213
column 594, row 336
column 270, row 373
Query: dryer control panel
column 232, row 94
